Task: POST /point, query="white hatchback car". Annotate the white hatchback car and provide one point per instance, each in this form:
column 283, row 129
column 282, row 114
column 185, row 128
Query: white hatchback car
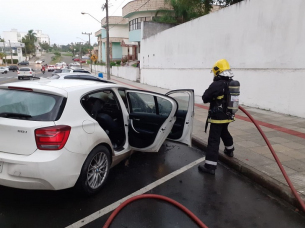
column 38, row 61
column 55, row 134
column 26, row 73
column 4, row 70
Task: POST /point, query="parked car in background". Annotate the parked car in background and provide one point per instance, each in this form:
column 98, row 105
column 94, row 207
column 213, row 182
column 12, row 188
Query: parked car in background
column 74, row 64
column 76, row 59
column 63, row 70
column 38, row 61
column 26, row 73
column 51, row 68
column 82, row 61
column 26, row 63
column 13, row 68
column 4, row 70
column 55, row 151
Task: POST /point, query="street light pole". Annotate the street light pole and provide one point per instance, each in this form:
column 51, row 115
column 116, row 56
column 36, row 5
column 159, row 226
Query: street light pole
column 89, row 46
column 5, row 52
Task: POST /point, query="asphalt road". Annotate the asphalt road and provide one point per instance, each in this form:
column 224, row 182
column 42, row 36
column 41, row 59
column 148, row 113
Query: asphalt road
column 225, row 200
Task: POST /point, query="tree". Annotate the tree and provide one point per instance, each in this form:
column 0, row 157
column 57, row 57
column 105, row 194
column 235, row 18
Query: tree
column 1, row 40
column 184, row 10
column 29, row 40
column 45, row 46
column 225, row 3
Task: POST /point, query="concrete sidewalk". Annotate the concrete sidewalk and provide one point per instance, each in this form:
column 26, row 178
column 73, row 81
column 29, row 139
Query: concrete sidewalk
column 252, row 156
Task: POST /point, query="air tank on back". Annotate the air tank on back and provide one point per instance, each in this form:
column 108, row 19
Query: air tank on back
column 233, row 97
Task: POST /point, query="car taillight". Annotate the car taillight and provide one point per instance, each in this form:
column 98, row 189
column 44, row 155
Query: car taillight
column 18, row 72
column 52, row 138
column 30, row 72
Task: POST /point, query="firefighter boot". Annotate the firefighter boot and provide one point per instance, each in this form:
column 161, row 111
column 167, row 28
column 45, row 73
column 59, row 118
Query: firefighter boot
column 203, row 169
column 229, row 152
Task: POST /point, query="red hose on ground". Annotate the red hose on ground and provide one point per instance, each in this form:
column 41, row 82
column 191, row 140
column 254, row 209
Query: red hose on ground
column 276, row 159
column 153, row 196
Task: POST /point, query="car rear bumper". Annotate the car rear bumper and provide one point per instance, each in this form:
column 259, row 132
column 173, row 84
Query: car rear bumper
column 45, row 170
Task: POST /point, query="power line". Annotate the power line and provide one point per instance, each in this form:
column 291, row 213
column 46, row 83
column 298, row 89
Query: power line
column 118, row 8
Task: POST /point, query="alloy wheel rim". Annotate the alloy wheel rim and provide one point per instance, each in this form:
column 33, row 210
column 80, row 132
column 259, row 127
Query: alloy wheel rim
column 97, row 170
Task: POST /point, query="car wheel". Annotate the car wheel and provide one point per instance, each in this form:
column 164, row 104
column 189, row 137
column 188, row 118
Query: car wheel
column 95, row 171
column 19, row 78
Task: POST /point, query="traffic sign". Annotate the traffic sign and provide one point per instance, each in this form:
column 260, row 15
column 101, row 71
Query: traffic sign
column 93, row 58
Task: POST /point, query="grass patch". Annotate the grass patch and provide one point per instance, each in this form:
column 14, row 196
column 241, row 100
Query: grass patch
column 67, row 54
column 56, row 59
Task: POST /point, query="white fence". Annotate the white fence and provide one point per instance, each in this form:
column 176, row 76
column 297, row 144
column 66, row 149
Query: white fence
column 265, row 51
column 130, row 73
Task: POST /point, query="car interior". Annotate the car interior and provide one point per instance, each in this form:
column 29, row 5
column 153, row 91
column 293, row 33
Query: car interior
column 104, row 107
column 147, row 113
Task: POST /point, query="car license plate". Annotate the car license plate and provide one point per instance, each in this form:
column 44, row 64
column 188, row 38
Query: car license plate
column 1, row 166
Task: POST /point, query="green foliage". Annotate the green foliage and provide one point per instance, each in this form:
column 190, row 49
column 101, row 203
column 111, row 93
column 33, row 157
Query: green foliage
column 29, row 40
column 2, row 55
column 15, row 61
column 67, row 54
column 112, row 64
column 57, row 53
column 226, row 2
column 186, row 10
column 118, row 62
column 45, row 46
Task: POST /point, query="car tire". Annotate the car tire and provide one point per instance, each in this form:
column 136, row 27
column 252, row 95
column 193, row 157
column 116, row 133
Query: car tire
column 19, row 78
column 99, row 160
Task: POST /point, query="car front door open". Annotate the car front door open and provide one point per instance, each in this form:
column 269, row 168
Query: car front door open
column 183, row 127
column 151, row 118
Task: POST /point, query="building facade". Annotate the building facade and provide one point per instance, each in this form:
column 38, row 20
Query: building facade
column 125, row 31
column 15, row 36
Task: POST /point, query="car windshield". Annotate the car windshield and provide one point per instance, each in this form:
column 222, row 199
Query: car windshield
column 30, row 105
column 24, row 69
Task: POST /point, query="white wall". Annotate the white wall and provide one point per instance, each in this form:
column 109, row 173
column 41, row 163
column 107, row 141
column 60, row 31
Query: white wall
column 119, row 31
column 264, row 42
column 130, row 73
column 10, row 35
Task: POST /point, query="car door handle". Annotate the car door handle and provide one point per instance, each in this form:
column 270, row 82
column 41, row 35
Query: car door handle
column 131, row 122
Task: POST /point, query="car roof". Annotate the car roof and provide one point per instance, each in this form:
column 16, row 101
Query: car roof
column 58, row 87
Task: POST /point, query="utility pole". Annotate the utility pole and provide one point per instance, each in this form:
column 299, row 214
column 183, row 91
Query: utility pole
column 89, row 45
column 4, row 52
column 80, row 54
column 25, row 52
column 11, row 52
column 107, row 40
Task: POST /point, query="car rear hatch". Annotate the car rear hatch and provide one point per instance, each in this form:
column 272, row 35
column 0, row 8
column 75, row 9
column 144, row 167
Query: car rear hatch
column 22, row 111
column 24, row 72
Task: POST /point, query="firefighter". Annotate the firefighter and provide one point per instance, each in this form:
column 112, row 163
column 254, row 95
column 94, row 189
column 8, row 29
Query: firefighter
column 219, row 117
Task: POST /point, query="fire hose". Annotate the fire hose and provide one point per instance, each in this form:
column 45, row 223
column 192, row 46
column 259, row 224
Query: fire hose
column 187, row 211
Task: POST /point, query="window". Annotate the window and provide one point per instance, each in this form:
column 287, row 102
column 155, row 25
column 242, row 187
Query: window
column 123, row 96
column 165, row 107
column 142, row 103
column 39, row 106
column 135, row 24
column 182, row 99
column 145, row 103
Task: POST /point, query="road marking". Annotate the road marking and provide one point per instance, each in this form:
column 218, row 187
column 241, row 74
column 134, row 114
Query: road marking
column 147, row 188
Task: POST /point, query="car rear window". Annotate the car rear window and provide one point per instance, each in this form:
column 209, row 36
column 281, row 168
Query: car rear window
column 38, row 106
column 24, row 69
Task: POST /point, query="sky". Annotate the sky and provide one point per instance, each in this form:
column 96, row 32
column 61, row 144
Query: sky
column 60, row 19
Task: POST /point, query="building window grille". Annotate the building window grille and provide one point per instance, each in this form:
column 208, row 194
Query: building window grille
column 135, row 24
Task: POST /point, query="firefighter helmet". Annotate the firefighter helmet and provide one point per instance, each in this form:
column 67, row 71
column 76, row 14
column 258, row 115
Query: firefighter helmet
column 222, row 68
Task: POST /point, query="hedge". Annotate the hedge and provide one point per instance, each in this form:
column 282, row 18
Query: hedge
column 15, row 61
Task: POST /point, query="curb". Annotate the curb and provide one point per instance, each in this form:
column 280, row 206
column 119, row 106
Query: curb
column 274, row 186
